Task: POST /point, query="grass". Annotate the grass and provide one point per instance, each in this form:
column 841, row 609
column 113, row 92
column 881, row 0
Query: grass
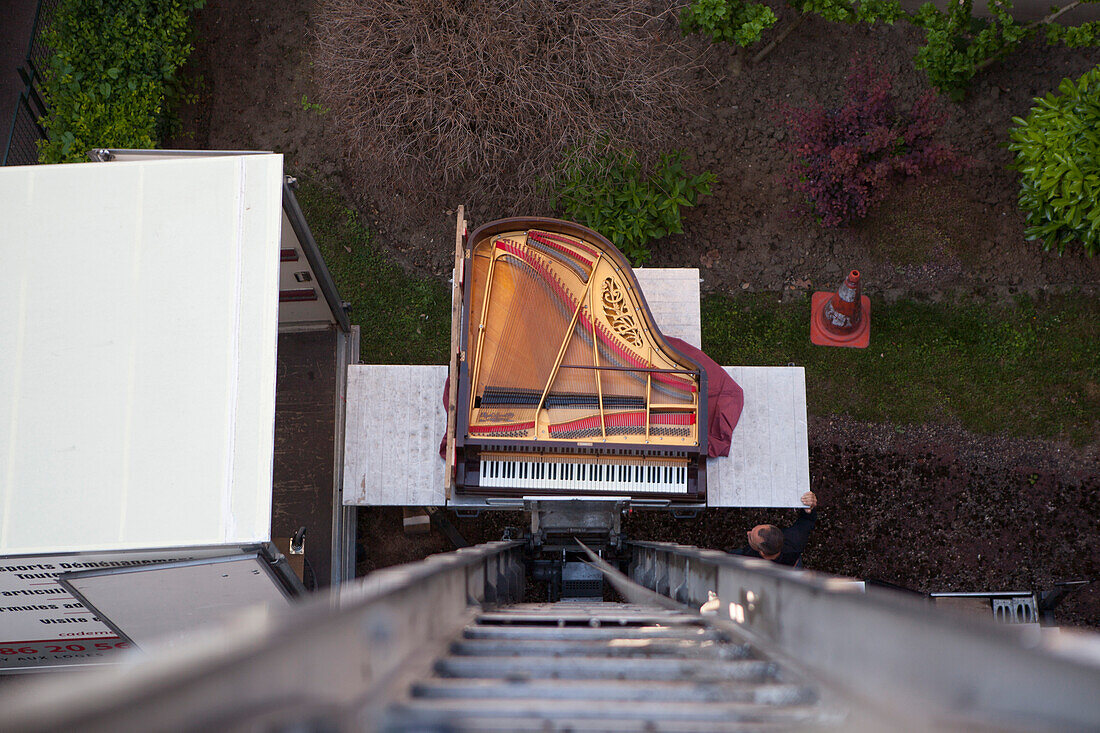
column 1031, row 369
column 403, row 320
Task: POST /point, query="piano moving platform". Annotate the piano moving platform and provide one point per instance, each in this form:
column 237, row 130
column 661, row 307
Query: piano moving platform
column 396, row 419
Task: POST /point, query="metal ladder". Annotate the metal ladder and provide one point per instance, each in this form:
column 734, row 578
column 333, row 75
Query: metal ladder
column 705, row 641
column 590, row 665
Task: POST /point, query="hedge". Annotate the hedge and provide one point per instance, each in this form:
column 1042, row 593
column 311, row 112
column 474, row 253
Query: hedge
column 111, row 74
column 1058, row 156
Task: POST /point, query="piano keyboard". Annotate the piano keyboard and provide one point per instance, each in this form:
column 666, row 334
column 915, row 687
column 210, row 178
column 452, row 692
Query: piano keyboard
column 519, row 471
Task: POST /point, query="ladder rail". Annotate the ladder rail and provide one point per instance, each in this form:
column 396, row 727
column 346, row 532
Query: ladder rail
column 337, row 656
column 891, row 655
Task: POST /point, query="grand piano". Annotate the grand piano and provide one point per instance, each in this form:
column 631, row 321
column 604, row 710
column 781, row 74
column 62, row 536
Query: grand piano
column 566, row 387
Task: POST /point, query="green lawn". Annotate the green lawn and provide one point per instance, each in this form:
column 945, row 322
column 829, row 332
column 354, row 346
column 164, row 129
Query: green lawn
column 403, row 320
column 1031, row 369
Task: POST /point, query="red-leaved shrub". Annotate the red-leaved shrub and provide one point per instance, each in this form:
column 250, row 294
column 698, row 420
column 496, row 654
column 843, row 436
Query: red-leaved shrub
column 846, row 159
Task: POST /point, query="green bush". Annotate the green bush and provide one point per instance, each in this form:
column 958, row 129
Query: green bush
column 957, row 45
column 732, row 22
column 111, row 73
column 1058, row 156
column 743, row 23
column 631, row 206
column 853, row 11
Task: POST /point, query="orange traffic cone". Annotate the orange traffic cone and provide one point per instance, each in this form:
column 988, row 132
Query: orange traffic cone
column 842, row 318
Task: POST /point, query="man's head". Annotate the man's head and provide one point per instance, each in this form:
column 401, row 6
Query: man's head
column 767, row 539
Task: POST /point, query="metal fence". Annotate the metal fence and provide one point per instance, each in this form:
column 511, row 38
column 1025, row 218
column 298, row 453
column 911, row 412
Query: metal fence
column 21, row 146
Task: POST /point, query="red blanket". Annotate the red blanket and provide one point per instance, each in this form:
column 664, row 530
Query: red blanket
column 724, row 399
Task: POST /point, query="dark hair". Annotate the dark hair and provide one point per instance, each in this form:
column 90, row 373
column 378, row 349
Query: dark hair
column 769, row 540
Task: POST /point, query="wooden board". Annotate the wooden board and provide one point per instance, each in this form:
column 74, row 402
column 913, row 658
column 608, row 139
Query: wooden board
column 396, row 420
column 672, row 294
column 456, row 322
column 768, row 463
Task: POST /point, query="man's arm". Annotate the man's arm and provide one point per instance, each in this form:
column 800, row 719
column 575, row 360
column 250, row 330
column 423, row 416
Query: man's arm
column 797, row 535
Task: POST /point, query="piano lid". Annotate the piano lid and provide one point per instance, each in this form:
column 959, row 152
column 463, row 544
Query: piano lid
column 561, row 349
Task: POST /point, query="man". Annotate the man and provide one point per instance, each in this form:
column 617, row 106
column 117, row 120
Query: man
column 783, row 546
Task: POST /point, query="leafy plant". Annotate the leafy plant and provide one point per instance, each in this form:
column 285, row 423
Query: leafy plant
column 629, row 205
column 850, row 11
column 1058, row 156
column 111, row 73
column 743, row 23
column 308, row 106
column 736, row 22
column 847, row 159
column 958, row 46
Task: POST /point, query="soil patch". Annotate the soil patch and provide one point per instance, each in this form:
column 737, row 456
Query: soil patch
column 931, row 236
column 945, row 234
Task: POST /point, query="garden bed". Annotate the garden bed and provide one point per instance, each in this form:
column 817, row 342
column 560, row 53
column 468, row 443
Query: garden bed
column 935, row 496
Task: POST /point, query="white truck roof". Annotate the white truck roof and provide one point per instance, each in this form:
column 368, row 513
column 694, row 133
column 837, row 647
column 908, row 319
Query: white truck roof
column 138, row 327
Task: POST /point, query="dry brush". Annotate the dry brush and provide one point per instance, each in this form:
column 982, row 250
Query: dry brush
column 485, row 96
